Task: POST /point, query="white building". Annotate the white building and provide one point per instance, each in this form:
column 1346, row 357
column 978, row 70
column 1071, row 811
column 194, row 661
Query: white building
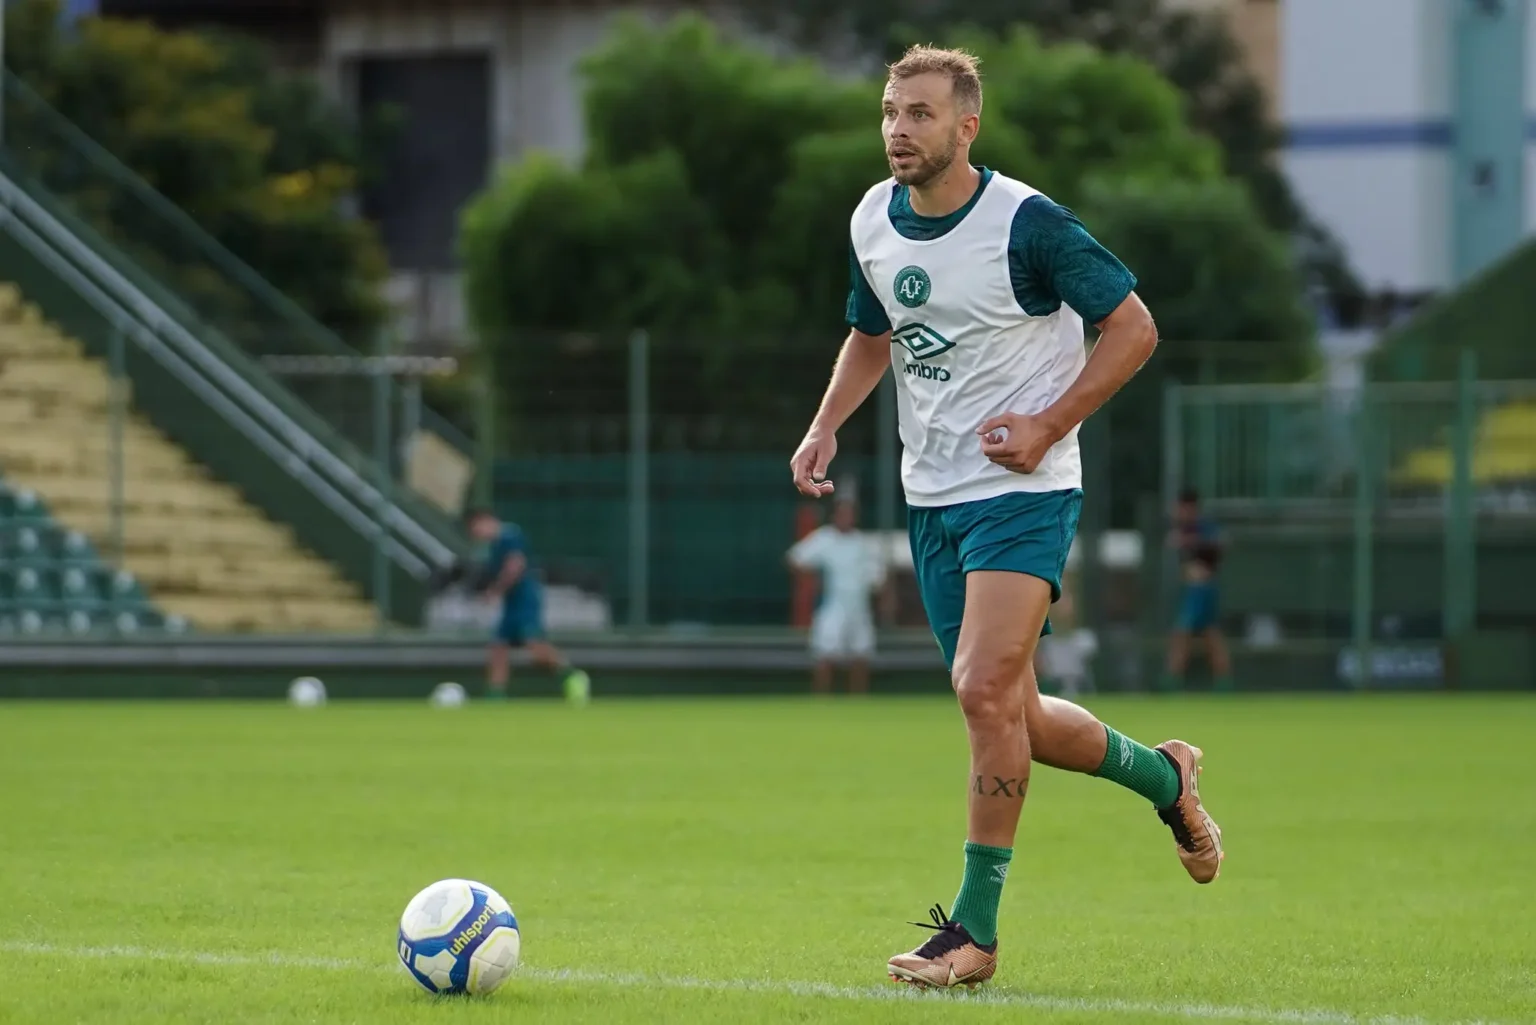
column 1410, row 132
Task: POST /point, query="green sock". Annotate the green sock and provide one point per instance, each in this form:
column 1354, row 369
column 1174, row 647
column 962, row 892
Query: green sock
column 578, row 686
column 981, row 890
column 1139, row 768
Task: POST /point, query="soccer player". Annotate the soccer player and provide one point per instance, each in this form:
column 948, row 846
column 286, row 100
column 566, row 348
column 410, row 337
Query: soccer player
column 973, row 289
column 510, row 581
column 1199, row 546
column 843, row 629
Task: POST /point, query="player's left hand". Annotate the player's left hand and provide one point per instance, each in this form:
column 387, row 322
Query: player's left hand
column 1017, row 441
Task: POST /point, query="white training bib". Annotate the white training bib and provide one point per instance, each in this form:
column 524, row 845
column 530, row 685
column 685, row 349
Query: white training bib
column 963, row 349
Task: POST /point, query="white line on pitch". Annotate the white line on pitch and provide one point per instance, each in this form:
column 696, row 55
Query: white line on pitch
column 1003, row 998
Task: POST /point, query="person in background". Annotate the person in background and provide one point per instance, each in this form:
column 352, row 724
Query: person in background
column 1064, row 659
column 1199, row 546
column 508, row 579
column 851, row 568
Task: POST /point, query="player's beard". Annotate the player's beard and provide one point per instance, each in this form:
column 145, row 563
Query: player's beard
column 928, row 168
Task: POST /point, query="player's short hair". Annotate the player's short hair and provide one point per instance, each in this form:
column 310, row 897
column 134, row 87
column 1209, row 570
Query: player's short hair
column 960, row 66
column 1189, row 496
column 475, row 512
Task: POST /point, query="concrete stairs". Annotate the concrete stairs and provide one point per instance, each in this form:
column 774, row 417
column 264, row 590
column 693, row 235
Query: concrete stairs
column 195, row 545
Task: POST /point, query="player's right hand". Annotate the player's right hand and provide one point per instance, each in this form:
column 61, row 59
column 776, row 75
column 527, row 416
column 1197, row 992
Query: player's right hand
column 809, row 465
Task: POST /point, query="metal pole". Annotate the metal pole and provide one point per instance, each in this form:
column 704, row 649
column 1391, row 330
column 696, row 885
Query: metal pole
column 1097, row 445
column 382, row 454
column 1208, row 431
column 118, row 423
column 886, row 469
column 639, row 479
column 485, row 431
column 1460, row 548
column 2, row 72
column 1364, row 517
column 410, row 418
column 1159, row 554
column 1173, row 442
column 1274, row 451
column 1469, row 497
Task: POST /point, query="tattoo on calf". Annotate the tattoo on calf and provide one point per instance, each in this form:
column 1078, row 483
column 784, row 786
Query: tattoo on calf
column 1000, row 787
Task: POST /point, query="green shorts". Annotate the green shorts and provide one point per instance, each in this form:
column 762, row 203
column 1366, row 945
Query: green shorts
column 1020, row 532
column 1197, row 608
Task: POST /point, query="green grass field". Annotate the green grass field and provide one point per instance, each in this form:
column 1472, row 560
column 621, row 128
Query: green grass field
column 693, row 861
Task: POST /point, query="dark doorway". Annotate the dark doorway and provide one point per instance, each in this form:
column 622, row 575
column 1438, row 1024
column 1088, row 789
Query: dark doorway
column 438, row 157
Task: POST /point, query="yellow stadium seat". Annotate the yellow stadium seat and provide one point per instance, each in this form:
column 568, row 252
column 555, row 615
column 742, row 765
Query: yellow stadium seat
column 1504, row 451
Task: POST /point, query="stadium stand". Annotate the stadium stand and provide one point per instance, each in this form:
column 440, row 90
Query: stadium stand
column 1504, row 451
column 53, row 581
column 201, row 552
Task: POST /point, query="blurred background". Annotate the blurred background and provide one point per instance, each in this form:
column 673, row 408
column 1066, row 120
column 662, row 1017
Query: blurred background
column 287, row 285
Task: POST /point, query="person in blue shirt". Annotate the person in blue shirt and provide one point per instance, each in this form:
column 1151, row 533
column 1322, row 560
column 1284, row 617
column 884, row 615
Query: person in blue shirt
column 508, row 578
column 1199, row 545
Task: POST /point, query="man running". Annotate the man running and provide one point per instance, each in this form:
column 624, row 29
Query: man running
column 973, row 288
column 509, row 580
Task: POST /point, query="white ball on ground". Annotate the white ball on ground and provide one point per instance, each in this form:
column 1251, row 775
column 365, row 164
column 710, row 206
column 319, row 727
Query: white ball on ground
column 306, row 692
column 459, row 936
column 448, row 695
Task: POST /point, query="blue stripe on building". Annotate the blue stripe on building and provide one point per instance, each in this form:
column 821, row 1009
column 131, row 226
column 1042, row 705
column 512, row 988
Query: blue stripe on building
column 73, row 10
column 1426, row 133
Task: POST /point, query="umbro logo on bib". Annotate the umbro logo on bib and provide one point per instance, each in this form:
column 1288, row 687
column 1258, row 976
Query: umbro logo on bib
column 922, row 341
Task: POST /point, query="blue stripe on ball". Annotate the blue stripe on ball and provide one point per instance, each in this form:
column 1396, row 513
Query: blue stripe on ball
column 458, row 974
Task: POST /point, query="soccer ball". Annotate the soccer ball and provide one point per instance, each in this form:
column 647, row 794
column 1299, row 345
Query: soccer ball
column 448, row 695
column 306, row 692
column 458, row 936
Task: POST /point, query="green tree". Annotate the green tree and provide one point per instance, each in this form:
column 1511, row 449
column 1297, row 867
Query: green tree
column 640, row 243
column 713, row 210
column 1066, row 115
column 1193, row 49
column 1228, row 302
column 259, row 159
column 1215, row 273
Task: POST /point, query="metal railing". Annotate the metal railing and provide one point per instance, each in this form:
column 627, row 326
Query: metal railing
column 1394, row 522
column 229, row 387
column 154, row 233
column 1274, row 448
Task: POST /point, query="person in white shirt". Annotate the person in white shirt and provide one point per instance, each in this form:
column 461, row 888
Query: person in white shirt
column 851, row 568
column 973, row 289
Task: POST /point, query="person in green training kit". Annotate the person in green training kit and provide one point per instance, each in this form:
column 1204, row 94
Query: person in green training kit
column 973, row 288
column 510, row 581
column 1198, row 541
